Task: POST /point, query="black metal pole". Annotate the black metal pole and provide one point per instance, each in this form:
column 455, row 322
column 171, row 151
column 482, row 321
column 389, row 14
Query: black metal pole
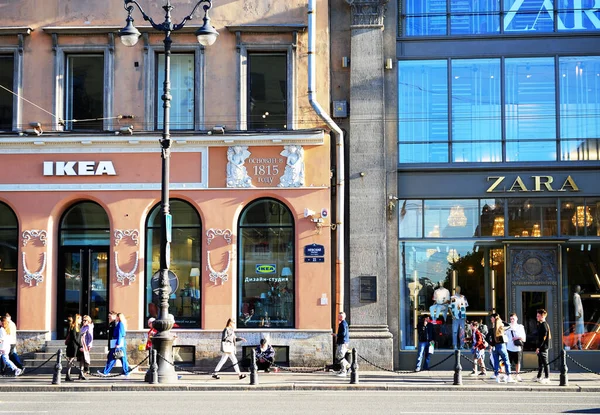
column 57, row 368
column 457, row 368
column 354, row 368
column 253, row 369
column 564, row 377
column 162, row 342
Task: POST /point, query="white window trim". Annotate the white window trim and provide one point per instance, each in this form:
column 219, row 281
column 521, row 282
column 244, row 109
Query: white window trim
column 246, row 48
column 60, row 79
column 152, row 93
column 17, row 87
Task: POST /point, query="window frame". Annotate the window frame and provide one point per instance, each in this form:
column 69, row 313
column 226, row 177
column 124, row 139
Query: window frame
column 60, row 77
column 244, row 81
column 151, row 93
column 17, row 87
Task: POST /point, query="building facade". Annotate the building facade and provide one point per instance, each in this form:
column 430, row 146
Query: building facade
column 250, row 183
column 485, row 116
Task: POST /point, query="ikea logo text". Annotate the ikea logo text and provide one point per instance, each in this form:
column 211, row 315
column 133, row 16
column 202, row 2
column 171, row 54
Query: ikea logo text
column 266, row 269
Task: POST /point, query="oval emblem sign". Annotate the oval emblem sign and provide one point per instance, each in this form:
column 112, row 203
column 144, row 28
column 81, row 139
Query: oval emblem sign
column 266, row 268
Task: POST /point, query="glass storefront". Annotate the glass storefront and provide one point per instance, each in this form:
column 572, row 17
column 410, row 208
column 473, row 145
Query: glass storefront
column 9, row 245
column 266, row 266
column 446, row 244
column 184, row 302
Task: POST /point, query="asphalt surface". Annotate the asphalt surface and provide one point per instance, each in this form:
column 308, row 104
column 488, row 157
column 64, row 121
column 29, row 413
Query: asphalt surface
column 296, row 381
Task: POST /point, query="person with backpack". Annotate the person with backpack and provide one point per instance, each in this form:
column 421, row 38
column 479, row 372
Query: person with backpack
column 498, row 342
column 478, row 349
column 543, row 345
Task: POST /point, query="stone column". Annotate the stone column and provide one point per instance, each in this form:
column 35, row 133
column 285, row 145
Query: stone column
column 369, row 331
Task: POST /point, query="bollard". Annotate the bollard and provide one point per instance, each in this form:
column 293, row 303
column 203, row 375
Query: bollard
column 253, row 369
column 154, row 368
column 457, row 368
column 354, row 369
column 57, row 368
column 564, row 378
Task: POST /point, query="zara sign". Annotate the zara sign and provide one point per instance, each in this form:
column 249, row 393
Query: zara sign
column 79, row 168
column 580, row 15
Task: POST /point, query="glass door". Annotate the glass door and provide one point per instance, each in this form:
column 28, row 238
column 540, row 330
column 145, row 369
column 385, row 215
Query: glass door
column 83, row 287
column 529, row 300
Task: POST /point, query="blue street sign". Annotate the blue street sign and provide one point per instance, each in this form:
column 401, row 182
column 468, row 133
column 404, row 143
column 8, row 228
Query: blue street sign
column 314, row 250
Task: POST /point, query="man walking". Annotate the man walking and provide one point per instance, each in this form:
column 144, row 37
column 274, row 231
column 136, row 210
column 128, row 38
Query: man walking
column 425, row 336
column 543, row 344
column 342, row 342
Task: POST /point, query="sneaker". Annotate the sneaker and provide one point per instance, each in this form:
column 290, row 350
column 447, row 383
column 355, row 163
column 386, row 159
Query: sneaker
column 473, row 373
column 536, row 379
column 519, row 378
column 342, row 374
column 545, row 381
column 18, row 372
column 215, row 376
column 267, row 370
column 501, row 378
column 493, row 376
column 100, row 373
column 510, row 379
column 242, row 377
column 417, row 369
column 482, row 374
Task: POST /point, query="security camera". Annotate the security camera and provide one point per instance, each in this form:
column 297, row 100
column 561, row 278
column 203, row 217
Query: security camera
column 308, row 212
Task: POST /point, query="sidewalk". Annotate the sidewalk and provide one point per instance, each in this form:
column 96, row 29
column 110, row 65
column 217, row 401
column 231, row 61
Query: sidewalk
column 373, row 380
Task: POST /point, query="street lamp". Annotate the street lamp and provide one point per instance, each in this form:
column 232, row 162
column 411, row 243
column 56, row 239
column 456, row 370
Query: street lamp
column 162, row 342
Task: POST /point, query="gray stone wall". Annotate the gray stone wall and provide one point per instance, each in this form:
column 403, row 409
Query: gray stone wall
column 30, row 341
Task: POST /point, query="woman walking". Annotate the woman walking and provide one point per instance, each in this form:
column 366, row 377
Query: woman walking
column 498, row 341
column 228, row 340
column 5, row 345
column 87, row 338
column 120, row 349
column 74, row 348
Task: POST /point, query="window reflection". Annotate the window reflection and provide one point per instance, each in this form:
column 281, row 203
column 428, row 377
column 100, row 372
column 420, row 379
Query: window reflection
column 532, row 218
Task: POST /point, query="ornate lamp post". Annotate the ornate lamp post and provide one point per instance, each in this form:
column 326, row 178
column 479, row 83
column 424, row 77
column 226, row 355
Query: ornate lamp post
column 162, row 342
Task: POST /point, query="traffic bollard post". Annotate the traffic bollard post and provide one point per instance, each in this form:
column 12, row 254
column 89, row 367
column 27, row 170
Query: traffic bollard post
column 457, row 368
column 57, row 368
column 354, row 369
column 564, row 377
column 253, row 369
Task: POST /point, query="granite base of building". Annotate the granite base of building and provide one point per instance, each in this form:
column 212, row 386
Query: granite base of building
column 374, row 346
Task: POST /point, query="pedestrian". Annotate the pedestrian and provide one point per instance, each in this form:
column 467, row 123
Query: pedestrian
column 151, row 333
column 87, row 339
column 5, row 346
column 119, row 351
column 542, row 346
column 342, row 343
column 112, row 322
column 478, row 349
column 74, row 348
column 516, row 340
column 13, row 356
column 228, row 340
column 265, row 355
column 425, row 336
column 498, row 341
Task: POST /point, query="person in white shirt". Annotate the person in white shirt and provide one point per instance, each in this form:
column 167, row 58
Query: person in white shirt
column 516, row 334
column 5, row 345
column 12, row 355
column 579, row 326
column 441, row 298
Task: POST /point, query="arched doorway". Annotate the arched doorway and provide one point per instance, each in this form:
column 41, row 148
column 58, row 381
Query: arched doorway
column 9, row 240
column 83, row 267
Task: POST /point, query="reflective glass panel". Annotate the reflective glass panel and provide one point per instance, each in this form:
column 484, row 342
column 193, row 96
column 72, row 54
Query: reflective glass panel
column 410, row 214
column 266, row 278
column 267, row 91
column 182, row 91
column 423, row 104
column 572, row 216
column 588, row 149
column 85, row 223
column 186, row 244
column 492, row 217
column 7, row 72
column 532, row 218
column 451, row 218
column 474, row 17
column 578, row 15
column 430, row 25
column 9, row 241
column 580, row 99
column 84, row 91
column 423, row 153
column 581, row 326
column 592, row 210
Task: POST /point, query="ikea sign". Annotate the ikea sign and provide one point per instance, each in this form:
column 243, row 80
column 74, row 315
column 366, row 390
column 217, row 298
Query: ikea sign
column 266, row 268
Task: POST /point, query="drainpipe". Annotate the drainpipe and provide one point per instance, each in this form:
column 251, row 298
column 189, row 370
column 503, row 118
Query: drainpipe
column 339, row 157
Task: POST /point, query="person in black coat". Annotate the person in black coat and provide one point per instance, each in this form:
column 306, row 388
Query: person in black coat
column 265, row 356
column 426, row 338
column 74, row 346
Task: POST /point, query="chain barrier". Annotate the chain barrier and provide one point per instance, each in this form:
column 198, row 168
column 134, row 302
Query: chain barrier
column 193, row 372
column 114, row 375
column 587, row 369
column 402, row 372
column 39, row 366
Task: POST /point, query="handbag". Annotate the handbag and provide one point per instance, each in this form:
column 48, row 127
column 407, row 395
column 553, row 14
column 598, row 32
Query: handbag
column 118, row 353
column 516, row 342
column 227, row 347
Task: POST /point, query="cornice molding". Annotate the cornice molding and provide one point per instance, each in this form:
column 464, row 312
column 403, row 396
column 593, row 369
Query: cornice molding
column 367, row 13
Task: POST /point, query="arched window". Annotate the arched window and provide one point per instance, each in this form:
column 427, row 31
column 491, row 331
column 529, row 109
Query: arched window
column 9, row 242
column 84, row 267
column 186, row 246
column 266, row 283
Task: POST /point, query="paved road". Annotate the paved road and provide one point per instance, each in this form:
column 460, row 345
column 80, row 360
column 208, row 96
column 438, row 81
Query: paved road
column 300, row 402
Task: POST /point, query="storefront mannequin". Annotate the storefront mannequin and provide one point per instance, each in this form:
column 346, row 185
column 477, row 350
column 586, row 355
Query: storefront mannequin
column 578, row 309
column 441, row 298
column 458, row 309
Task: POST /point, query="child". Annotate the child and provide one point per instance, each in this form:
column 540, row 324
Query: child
column 478, row 349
